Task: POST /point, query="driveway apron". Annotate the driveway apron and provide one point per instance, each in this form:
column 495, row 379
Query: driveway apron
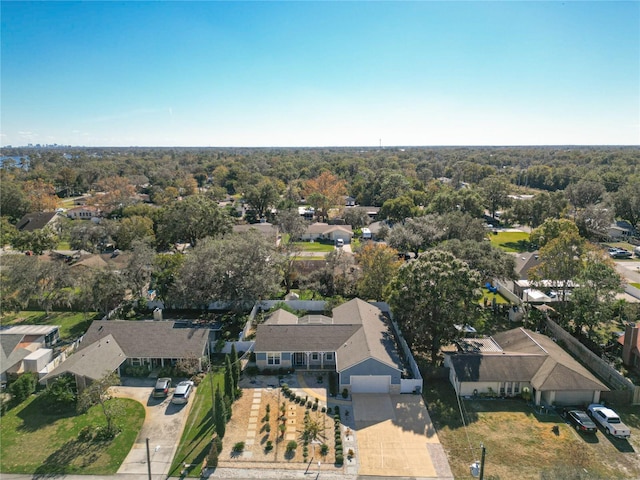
column 396, row 438
column 163, row 425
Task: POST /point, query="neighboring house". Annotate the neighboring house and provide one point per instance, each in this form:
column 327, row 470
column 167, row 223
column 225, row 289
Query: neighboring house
column 630, row 342
column 349, row 202
column 510, row 361
column 110, row 345
column 25, row 348
column 268, row 230
column 37, row 221
column 620, row 231
column 84, row 212
column 357, row 343
column 324, row 231
column 525, row 262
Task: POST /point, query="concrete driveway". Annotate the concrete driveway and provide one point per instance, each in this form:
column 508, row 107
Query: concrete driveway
column 163, row 425
column 395, row 438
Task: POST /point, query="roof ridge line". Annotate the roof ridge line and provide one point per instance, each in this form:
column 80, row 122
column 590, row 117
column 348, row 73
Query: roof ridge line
column 534, row 341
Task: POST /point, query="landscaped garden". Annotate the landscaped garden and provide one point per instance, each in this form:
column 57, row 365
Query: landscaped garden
column 37, row 441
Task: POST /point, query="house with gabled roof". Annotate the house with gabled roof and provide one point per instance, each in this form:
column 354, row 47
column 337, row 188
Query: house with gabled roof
column 113, row 344
column 37, row 221
column 324, row 231
column 356, row 341
column 507, row 362
column 18, row 343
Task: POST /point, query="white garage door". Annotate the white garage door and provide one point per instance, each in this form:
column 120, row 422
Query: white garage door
column 370, row 383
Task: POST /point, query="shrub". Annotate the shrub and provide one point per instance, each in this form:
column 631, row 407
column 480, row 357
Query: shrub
column 323, row 409
column 305, row 451
column 212, row 458
column 309, row 404
column 217, row 442
column 336, row 410
column 238, row 447
column 324, row 449
column 266, row 417
column 268, row 407
column 24, row 386
column 86, row 434
column 291, row 446
column 104, row 434
column 339, row 459
column 345, row 393
column 60, row 393
column 267, row 428
column 350, row 453
column 269, row 446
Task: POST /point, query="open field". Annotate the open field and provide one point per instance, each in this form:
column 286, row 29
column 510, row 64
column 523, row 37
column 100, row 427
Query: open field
column 39, row 442
column 523, row 444
column 72, row 324
column 510, row 241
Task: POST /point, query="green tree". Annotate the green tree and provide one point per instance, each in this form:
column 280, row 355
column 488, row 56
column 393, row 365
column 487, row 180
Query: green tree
column 236, row 368
column 192, row 219
column 263, row 197
column 551, row 229
column 397, row 209
column 239, row 269
column 7, row 231
column 585, row 192
column 37, row 241
column 379, row 264
column 60, row 394
column 489, row 261
column 325, row 192
column 357, row 217
column 229, row 383
column 23, row 386
column 163, row 274
column 627, row 202
column 220, row 413
column 496, row 192
column 97, row 393
column 432, row 294
column 134, row 228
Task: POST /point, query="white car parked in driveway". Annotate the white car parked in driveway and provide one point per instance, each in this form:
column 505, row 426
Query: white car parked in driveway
column 182, row 392
column 609, row 420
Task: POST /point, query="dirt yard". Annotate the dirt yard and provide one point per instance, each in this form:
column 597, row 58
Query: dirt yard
column 263, row 414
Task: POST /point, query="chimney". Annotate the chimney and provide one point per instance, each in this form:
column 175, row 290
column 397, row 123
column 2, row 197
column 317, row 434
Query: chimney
column 630, row 341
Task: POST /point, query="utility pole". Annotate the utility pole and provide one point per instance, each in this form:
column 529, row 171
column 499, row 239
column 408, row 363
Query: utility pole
column 148, row 460
column 484, row 451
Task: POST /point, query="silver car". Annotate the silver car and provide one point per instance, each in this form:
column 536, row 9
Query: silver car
column 182, row 392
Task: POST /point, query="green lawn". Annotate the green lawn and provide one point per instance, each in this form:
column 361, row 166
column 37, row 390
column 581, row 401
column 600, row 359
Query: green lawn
column 198, row 431
column 500, row 300
column 315, row 247
column 510, row 241
column 634, row 284
column 41, row 443
column 72, row 324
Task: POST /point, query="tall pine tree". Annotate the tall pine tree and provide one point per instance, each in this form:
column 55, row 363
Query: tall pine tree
column 229, row 384
column 235, row 365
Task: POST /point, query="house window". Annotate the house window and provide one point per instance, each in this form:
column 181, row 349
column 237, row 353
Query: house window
column 136, row 362
column 516, row 387
column 329, row 356
column 502, row 389
column 273, row 359
column 314, row 356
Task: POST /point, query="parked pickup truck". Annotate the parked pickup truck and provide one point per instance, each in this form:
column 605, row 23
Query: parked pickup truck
column 609, row 420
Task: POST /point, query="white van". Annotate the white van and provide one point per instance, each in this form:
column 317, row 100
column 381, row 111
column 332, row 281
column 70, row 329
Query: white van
column 366, row 234
column 339, row 243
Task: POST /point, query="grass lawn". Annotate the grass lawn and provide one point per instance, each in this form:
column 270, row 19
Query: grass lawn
column 522, row 444
column 510, row 241
column 37, row 442
column 72, row 324
column 315, row 247
column 63, row 246
column 634, row 284
column 198, row 431
column 490, row 296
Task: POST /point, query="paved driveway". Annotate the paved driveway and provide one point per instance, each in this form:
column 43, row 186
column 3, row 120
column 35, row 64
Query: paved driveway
column 395, row 438
column 163, row 425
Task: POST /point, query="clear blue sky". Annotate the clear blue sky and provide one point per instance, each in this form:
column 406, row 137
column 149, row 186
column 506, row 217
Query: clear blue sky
column 320, row 73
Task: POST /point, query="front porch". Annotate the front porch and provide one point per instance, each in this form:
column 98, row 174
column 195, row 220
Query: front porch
column 313, row 361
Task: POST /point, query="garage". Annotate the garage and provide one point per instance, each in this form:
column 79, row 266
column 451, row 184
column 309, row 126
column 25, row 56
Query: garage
column 370, row 383
column 570, row 397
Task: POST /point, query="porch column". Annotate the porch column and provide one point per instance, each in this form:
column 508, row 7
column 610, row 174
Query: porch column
column 307, row 353
column 321, row 360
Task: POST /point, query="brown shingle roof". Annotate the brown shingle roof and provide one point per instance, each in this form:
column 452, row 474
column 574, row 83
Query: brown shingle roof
column 35, row 221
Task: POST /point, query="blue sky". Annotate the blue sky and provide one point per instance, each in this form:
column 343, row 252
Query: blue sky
column 320, row 73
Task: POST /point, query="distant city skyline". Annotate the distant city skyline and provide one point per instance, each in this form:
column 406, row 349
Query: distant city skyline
column 320, row 74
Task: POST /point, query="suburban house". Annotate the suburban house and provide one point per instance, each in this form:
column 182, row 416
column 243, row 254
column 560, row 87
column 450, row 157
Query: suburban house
column 324, row 231
column 36, row 221
column 620, row 230
column 86, row 212
column 357, row 342
column 268, row 230
column 630, row 342
column 507, row 362
column 26, row 348
column 111, row 345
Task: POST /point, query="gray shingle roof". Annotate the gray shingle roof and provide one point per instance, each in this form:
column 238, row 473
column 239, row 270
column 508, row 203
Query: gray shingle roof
column 150, row 339
column 94, row 361
column 358, row 331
